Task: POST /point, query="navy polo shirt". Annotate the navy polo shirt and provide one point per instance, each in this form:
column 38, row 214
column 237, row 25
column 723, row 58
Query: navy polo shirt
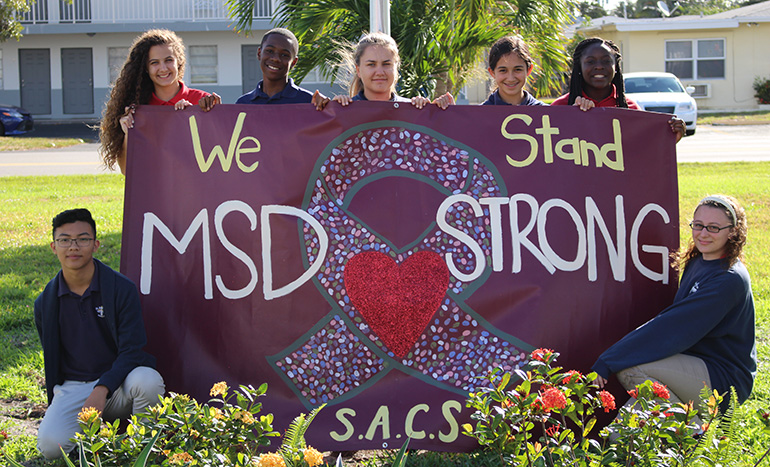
column 291, row 94
column 87, row 350
column 393, row 97
column 495, row 99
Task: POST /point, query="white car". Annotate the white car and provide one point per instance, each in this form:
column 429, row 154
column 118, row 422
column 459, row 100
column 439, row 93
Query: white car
column 663, row 92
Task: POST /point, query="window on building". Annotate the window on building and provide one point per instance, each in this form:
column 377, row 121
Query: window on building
column 202, row 64
column 116, row 56
column 696, row 59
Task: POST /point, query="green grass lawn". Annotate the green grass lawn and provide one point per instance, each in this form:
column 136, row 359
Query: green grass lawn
column 26, row 265
column 13, row 143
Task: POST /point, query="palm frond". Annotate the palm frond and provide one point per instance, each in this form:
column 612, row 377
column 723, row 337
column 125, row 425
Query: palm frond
column 440, row 41
column 243, row 13
column 294, row 439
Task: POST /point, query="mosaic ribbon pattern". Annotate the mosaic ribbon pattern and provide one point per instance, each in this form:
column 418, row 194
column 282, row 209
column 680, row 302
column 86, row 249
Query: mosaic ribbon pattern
column 345, row 354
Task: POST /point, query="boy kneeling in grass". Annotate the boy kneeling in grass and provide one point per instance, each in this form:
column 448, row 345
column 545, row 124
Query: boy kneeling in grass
column 90, row 324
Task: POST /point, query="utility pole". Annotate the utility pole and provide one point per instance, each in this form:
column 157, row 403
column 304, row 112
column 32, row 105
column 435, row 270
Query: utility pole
column 379, row 16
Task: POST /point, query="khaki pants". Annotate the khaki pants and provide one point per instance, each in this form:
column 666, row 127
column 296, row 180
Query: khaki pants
column 139, row 390
column 684, row 375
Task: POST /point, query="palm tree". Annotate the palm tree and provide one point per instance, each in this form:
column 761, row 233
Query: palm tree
column 441, row 41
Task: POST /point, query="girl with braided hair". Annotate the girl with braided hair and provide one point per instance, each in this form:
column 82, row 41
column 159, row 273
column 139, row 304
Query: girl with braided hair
column 152, row 74
column 596, row 77
column 597, row 80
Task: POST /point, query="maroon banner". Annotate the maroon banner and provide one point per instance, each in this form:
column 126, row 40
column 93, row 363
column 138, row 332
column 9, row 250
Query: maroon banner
column 382, row 259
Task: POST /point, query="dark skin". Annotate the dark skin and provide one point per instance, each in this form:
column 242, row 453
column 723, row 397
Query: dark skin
column 598, row 67
column 277, row 56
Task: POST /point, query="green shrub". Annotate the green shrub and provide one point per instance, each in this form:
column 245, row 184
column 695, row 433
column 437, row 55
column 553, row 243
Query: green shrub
column 180, row 431
column 762, row 88
column 548, row 419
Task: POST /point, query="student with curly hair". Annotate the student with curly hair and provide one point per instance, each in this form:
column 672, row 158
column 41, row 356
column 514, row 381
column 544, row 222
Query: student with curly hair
column 152, row 74
column 707, row 335
column 597, row 80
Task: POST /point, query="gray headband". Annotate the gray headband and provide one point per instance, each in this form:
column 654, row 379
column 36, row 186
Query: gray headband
column 723, row 202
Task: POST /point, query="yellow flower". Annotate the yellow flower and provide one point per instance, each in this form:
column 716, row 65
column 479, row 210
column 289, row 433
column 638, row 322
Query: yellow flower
column 88, row 414
column 179, row 397
column 219, row 389
column 313, row 457
column 271, row 459
column 247, row 418
column 180, row 458
column 216, row 413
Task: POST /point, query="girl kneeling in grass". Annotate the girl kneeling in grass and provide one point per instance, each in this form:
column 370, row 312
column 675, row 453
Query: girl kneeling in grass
column 707, row 335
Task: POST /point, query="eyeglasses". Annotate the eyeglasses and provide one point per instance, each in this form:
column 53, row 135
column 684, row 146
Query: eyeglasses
column 79, row 242
column 697, row 226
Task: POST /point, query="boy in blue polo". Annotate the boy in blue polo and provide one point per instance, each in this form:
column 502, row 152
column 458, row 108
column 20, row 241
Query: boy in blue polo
column 277, row 56
column 90, row 325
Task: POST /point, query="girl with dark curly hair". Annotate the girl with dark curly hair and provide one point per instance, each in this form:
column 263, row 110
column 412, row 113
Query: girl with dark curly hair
column 707, row 336
column 152, row 74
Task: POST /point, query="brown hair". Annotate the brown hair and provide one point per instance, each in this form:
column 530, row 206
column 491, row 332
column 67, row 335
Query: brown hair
column 735, row 242
column 506, row 45
column 133, row 87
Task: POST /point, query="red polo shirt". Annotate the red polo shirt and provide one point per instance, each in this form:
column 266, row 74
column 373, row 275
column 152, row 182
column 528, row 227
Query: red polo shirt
column 609, row 101
column 192, row 95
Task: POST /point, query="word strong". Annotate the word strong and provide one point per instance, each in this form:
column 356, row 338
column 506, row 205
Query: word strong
column 529, row 233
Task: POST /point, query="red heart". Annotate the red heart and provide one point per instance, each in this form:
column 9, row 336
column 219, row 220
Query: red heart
column 397, row 301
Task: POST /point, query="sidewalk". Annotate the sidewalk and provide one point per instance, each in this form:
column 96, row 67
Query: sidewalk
column 711, row 143
column 87, row 130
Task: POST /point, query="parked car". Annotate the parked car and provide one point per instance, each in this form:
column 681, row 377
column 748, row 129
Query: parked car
column 663, row 92
column 15, row 120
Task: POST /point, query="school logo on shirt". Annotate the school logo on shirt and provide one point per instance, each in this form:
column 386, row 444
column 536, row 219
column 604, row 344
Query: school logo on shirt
column 694, row 288
column 100, row 311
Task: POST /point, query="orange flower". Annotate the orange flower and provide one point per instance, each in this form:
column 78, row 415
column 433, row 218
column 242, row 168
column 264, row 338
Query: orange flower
column 633, row 393
column 313, row 457
column 180, row 458
column 552, row 431
column 271, row 459
column 660, row 390
column 218, row 389
column 572, row 376
column 608, row 401
column 216, row 413
column 554, row 399
column 88, row 414
column 541, row 355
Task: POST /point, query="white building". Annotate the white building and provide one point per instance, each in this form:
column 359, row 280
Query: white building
column 71, row 52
